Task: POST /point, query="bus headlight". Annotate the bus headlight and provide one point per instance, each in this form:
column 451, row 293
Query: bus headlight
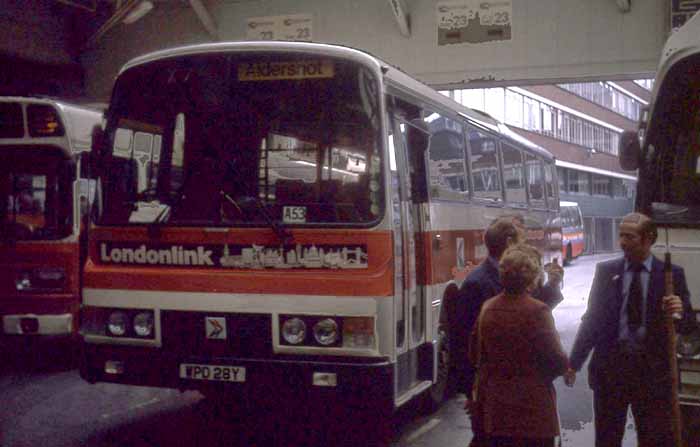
column 143, row 324
column 326, row 332
column 116, row 323
column 689, row 344
column 294, row 331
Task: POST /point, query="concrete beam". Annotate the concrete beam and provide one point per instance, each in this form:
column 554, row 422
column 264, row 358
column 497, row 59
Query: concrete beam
column 398, row 7
column 206, row 18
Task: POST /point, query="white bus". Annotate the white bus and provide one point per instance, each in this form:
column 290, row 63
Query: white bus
column 40, row 208
column 669, row 179
column 573, row 232
column 296, row 217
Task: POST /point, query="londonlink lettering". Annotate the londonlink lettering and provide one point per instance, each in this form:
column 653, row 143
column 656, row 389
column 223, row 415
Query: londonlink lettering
column 175, row 255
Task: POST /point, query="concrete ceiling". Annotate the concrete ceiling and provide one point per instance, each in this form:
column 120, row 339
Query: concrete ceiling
column 59, row 31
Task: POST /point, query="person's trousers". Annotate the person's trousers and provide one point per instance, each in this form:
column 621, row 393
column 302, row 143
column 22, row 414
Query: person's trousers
column 651, row 408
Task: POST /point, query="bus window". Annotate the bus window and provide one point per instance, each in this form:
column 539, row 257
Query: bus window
column 43, row 121
column 11, row 121
column 32, row 189
column 535, row 181
column 448, row 172
column 251, row 140
column 551, row 186
column 484, row 165
column 399, row 304
column 513, row 176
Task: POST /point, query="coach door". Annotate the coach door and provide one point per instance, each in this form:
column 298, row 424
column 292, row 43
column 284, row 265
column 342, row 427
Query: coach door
column 408, row 178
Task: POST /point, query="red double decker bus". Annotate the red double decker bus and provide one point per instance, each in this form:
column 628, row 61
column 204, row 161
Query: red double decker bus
column 40, row 214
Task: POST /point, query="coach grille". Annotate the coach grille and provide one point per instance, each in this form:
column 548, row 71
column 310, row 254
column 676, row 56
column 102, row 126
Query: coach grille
column 247, row 335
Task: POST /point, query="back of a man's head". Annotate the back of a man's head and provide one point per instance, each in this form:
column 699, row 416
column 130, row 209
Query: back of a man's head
column 498, row 235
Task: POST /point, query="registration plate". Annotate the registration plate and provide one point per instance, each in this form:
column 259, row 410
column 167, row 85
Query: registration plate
column 212, row 372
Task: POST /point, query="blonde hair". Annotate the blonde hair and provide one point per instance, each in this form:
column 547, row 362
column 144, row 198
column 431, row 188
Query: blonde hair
column 519, row 268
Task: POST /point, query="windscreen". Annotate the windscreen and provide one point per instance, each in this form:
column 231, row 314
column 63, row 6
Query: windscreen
column 244, row 139
column 35, row 194
column 670, row 172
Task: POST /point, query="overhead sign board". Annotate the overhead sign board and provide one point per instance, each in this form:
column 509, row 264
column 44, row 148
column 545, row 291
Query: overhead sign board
column 474, row 21
column 289, row 27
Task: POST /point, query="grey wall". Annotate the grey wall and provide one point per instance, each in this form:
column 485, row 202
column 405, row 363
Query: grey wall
column 32, row 30
column 551, row 39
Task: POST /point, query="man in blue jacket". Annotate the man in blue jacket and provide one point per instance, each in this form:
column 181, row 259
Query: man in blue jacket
column 483, row 283
column 624, row 326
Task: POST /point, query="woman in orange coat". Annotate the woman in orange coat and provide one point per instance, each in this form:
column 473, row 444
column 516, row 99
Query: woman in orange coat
column 518, row 352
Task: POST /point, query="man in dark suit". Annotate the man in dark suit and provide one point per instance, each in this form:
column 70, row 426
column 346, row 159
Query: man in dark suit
column 624, row 326
column 483, row 283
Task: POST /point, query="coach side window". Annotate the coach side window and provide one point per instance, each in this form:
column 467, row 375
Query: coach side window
column 486, row 176
column 446, row 161
column 535, row 181
column 550, row 186
column 513, row 175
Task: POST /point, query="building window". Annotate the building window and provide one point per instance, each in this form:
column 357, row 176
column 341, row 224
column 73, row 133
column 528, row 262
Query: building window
column 530, row 114
column 495, row 103
column 645, row 83
column 608, row 96
column 623, row 188
column 514, row 108
column 601, row 185
column 578, row 182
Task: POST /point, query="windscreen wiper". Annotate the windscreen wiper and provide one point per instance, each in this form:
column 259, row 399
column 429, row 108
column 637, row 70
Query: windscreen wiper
column 282, row 233
column 284, row 236
column 153, row 228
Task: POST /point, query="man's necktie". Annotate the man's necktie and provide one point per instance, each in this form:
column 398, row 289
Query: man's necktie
column 635, row 298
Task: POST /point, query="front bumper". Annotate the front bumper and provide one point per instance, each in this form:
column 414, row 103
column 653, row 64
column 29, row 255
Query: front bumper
column 366, row 383
column 45, row 314
column 33, row 324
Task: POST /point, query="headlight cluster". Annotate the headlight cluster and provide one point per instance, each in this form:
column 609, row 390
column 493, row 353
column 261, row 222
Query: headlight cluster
column 128, row 323
column 44, row 279
column 324, row 331
column 688, row 345
column 131, row 323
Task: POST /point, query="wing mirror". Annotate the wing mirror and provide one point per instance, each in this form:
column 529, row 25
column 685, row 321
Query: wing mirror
column 629, row 150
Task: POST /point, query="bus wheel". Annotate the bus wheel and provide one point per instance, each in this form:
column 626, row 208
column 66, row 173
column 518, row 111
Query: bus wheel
column 441, row 389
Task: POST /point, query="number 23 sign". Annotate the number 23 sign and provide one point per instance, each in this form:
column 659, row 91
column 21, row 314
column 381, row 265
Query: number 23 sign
column 289, row 27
